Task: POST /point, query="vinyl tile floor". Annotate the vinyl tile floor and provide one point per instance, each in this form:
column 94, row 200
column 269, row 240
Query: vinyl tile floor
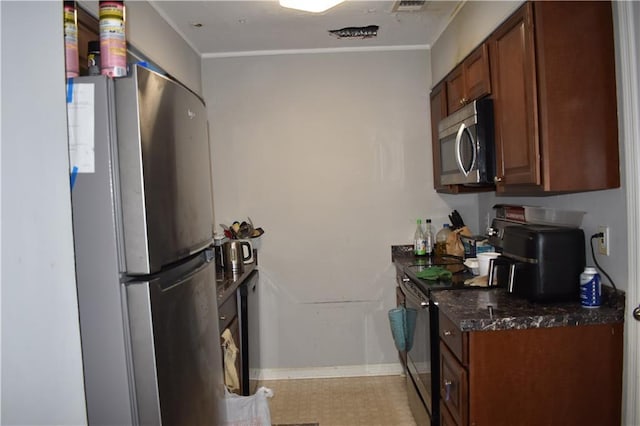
column 352, row 401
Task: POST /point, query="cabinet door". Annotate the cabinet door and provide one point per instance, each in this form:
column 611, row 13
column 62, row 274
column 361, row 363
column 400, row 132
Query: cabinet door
column 468, row 81
column 515, row 101
column 477, row 81
column 438, row 112
column 575, row 67
column 543, row 376
column 455, row 89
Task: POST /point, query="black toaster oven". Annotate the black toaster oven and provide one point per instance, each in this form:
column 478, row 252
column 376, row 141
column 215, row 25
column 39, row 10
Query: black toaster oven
column 542, row 263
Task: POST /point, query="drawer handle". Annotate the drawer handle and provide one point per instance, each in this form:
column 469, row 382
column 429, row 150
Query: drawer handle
column 447, row 333
column 447, row 390
column 222, row 318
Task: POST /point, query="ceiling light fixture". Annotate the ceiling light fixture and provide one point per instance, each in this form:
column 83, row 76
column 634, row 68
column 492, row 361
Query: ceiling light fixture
column 315, row 6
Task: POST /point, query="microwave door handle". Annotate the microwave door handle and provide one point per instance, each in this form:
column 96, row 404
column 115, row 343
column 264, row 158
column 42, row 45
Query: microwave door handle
column 474, row 151
column 461, row 131
column 457, row 150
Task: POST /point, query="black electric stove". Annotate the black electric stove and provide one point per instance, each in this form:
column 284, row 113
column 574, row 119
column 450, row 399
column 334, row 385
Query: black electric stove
column 423, row 356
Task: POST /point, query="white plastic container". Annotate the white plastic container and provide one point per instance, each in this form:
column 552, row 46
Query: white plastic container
column 483, row 261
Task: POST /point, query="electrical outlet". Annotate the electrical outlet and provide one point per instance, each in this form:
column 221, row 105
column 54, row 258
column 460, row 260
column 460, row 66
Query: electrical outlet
column 603, row 242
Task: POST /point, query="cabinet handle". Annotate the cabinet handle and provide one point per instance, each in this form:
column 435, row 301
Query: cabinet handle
column 222, row 318
column 498, row 179
column 447, row 390
column 447, row 333
column 463, row 101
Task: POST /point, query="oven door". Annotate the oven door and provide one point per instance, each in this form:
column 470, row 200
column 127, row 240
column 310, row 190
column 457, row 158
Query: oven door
column 422, row 371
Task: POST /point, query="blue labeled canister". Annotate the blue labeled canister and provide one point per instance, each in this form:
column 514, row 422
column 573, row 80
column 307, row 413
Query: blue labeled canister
column 590, row 288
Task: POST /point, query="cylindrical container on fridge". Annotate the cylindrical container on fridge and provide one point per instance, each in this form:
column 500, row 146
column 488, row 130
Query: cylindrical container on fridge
column 72, row 63
column 113, row 41
column 93, row 57
column 590, row 288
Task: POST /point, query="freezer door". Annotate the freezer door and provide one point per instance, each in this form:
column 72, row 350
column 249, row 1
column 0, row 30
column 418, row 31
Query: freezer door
column 165, row 173
column 175, row 355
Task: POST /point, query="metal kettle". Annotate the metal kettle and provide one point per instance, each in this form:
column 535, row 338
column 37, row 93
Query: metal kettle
column 233, row 255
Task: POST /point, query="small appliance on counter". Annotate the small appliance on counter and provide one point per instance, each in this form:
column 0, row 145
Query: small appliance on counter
column 517, row 215
column 540, row 263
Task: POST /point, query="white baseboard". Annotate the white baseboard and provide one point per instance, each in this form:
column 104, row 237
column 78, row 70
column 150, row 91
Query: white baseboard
column 327, row 372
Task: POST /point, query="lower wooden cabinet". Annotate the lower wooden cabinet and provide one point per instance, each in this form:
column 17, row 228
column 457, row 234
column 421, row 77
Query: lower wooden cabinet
column 539, row 376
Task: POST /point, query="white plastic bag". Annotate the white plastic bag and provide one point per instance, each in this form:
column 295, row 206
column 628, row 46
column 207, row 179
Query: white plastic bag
column 250, row 410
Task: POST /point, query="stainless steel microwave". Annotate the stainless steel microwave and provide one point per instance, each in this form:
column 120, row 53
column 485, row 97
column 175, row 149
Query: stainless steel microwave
column 467, row 154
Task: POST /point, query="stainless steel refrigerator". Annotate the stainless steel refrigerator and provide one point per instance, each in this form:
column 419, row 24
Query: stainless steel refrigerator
column 143, row 222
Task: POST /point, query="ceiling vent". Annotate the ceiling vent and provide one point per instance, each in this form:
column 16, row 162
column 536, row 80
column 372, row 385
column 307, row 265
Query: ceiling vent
column 409, row 5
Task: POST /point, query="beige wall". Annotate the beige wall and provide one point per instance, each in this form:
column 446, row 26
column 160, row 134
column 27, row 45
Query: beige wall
column 329, row 153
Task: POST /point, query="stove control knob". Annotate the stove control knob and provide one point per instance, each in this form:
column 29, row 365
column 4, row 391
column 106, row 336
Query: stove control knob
column 492, row 232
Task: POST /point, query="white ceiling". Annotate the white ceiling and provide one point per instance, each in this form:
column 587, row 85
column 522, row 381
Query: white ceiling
column 243, row 27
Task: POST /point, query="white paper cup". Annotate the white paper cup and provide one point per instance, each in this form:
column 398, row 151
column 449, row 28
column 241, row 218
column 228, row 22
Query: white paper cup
column 483, row 260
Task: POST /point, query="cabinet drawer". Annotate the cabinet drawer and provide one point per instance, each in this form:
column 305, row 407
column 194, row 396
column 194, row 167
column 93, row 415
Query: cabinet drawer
column 454, row 389
column 454, row 338
column 227, row 311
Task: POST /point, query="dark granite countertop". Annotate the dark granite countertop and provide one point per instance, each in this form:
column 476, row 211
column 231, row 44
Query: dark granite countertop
column 469, row 310
column 468, row 306
column 227, row 281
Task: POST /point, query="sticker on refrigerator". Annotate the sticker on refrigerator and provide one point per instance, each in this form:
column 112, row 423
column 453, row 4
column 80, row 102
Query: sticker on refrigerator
column 80, row 119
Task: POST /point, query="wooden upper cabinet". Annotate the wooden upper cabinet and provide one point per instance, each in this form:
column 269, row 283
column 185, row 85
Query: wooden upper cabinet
column 470, row 80
column 454, row 83
column 515, row 101
column 554, row 92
